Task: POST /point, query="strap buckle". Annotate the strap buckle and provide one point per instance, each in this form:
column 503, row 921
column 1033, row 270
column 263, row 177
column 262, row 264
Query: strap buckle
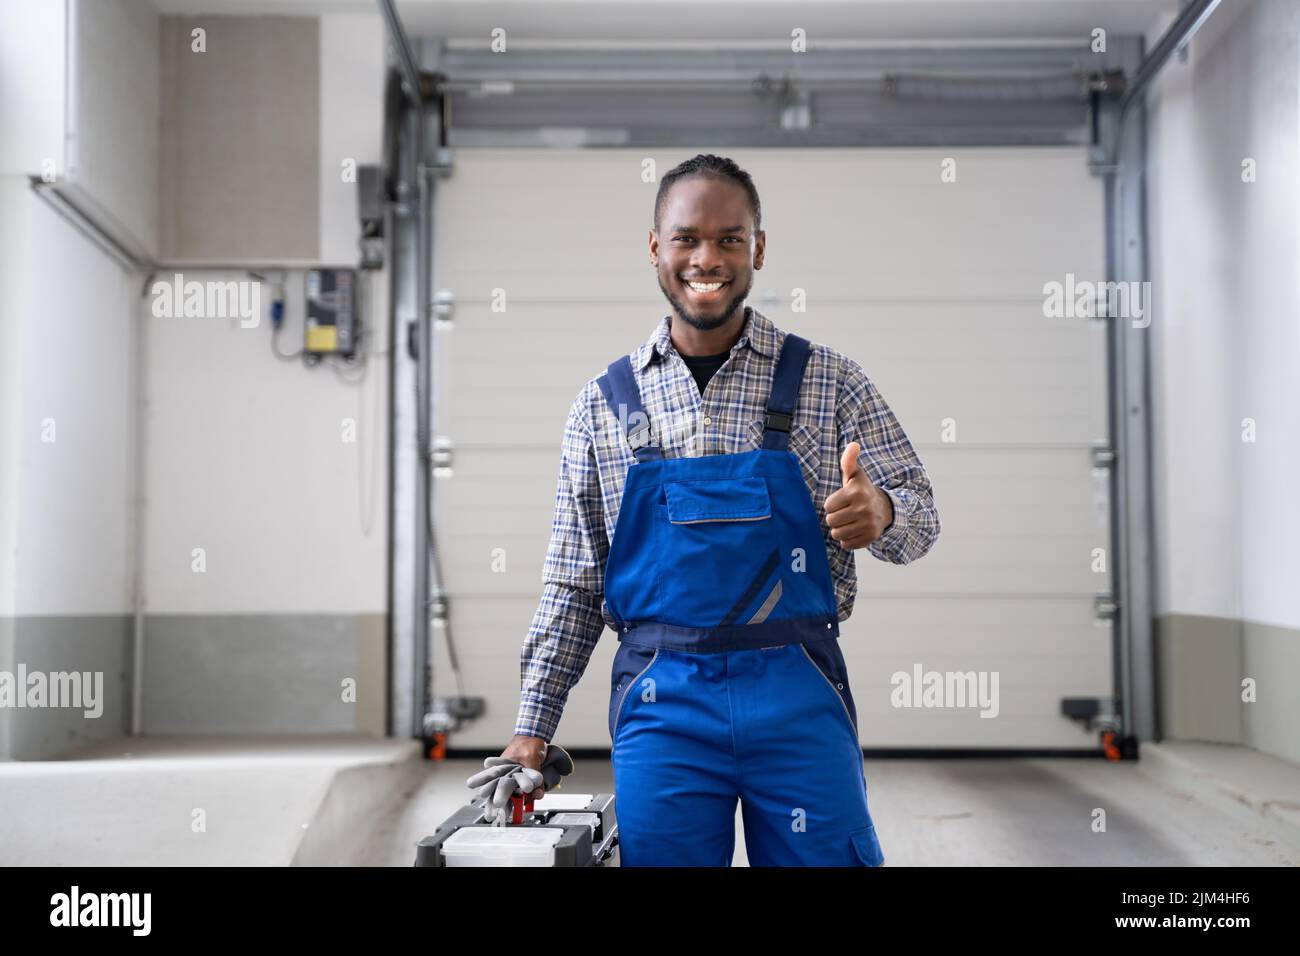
column 640, row 438
column 778, row 421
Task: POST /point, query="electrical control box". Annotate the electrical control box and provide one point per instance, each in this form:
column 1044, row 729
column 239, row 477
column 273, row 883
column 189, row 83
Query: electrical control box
column 331, row 321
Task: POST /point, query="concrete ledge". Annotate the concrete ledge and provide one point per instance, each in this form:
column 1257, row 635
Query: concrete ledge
column 357, row 807
column 263, row 801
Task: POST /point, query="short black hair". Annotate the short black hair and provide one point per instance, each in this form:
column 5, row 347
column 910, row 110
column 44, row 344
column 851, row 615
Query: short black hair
column 718, row 167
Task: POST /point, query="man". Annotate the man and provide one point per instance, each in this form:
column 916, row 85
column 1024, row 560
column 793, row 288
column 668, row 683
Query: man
column 713, row 488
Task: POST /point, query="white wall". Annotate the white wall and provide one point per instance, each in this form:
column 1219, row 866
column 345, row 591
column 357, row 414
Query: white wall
column 351, row 122
column 1225, row 263
column 32, row 59
column 1225, row 256
column 113, row 114
column 13, row 191
column 65, row 438
column 65, row 344
column 75, row 498
column 245, row 454
column 31, row 115
column 246, row 460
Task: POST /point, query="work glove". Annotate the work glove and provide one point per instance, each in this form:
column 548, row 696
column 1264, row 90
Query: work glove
column 503, row 777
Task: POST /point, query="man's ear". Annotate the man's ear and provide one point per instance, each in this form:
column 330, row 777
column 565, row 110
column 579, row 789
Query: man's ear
column 760, row 246
column 654, row 245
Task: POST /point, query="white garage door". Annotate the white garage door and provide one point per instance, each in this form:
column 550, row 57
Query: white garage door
column 934, row 287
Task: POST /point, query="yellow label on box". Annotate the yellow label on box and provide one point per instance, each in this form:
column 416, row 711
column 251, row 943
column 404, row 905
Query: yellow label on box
column 322, row 338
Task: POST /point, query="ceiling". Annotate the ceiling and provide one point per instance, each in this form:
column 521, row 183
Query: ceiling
column 709, row 22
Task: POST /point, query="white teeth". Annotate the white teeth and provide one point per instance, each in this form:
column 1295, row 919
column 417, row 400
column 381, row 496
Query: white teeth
column 706, row 286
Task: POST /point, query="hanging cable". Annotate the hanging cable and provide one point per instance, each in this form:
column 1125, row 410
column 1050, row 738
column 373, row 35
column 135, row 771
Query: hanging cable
column 277, row 314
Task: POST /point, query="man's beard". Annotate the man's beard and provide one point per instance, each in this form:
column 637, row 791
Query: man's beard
column 703, row 323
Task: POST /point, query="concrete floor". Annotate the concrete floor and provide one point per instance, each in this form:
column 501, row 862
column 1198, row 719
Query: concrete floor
column 972, row 813
column 362, row 801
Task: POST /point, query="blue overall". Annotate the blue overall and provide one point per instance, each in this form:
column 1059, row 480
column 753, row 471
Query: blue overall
column 728, row 682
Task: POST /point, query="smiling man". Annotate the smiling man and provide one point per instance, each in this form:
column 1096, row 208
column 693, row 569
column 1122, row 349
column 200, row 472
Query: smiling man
column 714, row 487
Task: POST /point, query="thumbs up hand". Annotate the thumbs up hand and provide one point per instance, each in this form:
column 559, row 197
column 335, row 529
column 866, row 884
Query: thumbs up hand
column 859, row 512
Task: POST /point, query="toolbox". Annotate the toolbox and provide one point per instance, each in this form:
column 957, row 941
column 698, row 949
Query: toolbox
column 576, row 829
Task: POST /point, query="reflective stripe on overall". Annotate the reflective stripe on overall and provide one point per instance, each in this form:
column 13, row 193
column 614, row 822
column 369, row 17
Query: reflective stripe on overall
column 728, row 682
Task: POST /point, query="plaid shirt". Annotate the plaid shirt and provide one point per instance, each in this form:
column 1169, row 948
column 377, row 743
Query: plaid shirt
column 837, row 405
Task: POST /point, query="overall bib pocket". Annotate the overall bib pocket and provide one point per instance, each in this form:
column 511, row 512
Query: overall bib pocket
column 717, row 558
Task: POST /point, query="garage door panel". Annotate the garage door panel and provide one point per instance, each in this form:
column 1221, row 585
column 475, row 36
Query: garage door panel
column 489, row 633
column 934, row 288
column 499, row 367
column 1001, row 372
column 1012, row 522
column 545, row 223
column 1042, row 650
column 500, row 498
column 882, row 221
column 1049, row 389
column 506, row 377
column 1047, row 629
column 499, row 490
column 922, row 729
column 969, row 569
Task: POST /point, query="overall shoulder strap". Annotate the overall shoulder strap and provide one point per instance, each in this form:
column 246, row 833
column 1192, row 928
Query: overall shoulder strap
column 785, row 392
column 619, row 387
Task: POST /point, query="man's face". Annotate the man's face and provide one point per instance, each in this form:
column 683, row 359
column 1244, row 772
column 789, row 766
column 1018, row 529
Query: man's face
column 706, row 235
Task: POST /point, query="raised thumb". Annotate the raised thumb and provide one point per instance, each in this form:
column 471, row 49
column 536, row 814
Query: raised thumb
column 849, row 462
